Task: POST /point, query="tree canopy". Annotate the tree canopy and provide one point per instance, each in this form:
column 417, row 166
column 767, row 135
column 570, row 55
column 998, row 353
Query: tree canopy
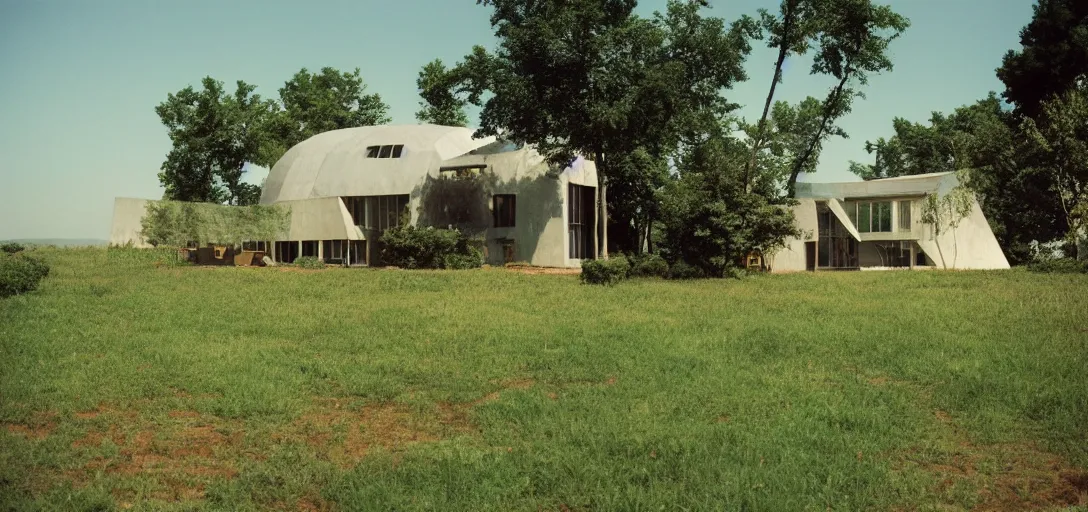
column 213, row 135
column 439, row 104
column 1053, row 56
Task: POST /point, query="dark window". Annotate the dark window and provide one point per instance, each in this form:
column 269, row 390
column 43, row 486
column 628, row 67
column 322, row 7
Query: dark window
column 309, row 248
column 904, row 215
column 334, row 251
column 504, row 208
column 461, row 172
column 581, row 221
column 386, row 151
column 286, row 252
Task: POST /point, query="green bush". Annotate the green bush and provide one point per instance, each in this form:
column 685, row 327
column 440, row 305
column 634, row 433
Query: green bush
column 648, row 265
column 309, row 262
column 12, row 247
column 1060, row 266
column 20, row 274
column 681, row 270
column 605, row 272
column 414, row 247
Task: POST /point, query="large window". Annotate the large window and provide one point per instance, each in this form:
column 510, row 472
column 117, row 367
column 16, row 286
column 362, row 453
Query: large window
column 377, row 212
column 504, row 209
column 581, row 221
column 386, row 151
column 904, row 216
column 871, row 216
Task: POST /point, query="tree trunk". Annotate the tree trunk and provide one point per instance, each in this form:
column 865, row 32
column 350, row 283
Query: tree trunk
column 602, row 208
column 799, row 164
column 603, row 215
column 783, row 50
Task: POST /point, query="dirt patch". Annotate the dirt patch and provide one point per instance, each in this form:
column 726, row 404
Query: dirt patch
column 38, row 428
column 345, row 434
column 1009, row 476
column 526, row 269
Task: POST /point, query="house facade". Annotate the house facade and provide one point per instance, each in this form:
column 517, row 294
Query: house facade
column 346, row 187
column 878, row 224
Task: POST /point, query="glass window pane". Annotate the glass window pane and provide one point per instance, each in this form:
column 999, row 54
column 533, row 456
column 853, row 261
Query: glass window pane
column 885, row 216
column 397, row 150
column 385, row 152
column 852, row 211
column 372, row 151
column 904, row 216
column 863, row 217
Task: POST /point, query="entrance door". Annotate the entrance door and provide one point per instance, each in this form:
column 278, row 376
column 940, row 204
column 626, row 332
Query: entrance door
column 810, row 255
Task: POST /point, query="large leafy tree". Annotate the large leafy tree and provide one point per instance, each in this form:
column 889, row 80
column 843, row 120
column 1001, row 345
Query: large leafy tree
column 1060, row 135
column 439, row 102
column 787, row 136
column 853, row 43
column 710, row 220
column 313, row 103
column 214, row 134
column 589, row 77
column 790, row 31
column 1054, row 55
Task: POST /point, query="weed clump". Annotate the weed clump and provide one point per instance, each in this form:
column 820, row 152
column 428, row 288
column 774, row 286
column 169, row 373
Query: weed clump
column 309, row 262
column 20, row 274
column 12, row 247
column 1060, row 266
column 605, row 272
column 414, row 247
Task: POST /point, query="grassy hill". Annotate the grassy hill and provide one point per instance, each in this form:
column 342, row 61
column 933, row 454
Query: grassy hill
column 127, row 382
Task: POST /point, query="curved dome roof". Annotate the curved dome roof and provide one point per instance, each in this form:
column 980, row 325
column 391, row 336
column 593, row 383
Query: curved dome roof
column 334, row 163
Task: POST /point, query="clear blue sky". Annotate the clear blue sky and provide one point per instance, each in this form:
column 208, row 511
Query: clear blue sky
column 79, row 80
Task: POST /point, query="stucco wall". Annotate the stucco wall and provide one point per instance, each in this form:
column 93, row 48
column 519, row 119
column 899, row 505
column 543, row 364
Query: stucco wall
column 792, row 257
column 971, row 246
column 127, row 214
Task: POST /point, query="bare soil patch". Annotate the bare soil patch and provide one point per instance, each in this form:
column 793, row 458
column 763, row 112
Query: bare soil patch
column 1008, row 476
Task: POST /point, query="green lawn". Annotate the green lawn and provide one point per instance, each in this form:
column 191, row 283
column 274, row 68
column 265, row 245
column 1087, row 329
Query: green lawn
column 127, row 384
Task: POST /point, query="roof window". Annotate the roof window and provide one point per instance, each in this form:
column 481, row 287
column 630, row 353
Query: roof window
column 386, row 151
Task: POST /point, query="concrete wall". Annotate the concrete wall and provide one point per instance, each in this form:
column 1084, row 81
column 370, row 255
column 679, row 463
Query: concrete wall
column 792, row 257
column 127, row 214
column 324, row 218
column 971, row 246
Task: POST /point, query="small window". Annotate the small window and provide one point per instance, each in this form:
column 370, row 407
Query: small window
column 372, row 151
column 504, row 209
column 904, row 216
column 398, row 150
column 385, row 152
column 460, row 173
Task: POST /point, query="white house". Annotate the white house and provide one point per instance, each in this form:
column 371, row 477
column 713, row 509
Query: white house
column 877, row 224
column 346, row 187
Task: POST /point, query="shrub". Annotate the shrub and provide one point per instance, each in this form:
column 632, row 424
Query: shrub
column 605, row 272
column 681, row 270
column 1060, row 266
column 12, row 247
column 20, row 274
column 648, row 265
column 309, row 262
column 415, row 247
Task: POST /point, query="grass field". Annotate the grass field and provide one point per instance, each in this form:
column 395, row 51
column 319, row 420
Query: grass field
column 126, row 384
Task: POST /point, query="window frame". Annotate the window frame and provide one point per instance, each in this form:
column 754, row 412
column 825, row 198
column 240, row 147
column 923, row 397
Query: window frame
column 504, row 210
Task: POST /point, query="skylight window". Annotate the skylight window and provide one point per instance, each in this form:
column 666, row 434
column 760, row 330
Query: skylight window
column 386, row 151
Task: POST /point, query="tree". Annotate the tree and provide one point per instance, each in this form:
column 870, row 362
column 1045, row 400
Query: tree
column 710, row 220
column 1060, row 134
column 1054, row 55
column 790, row 31
column 853, row 43
column 439, row 105
column 313, row 103
column 787, row 137
column 588, row 77
column 213, row 134
column 945, row 213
